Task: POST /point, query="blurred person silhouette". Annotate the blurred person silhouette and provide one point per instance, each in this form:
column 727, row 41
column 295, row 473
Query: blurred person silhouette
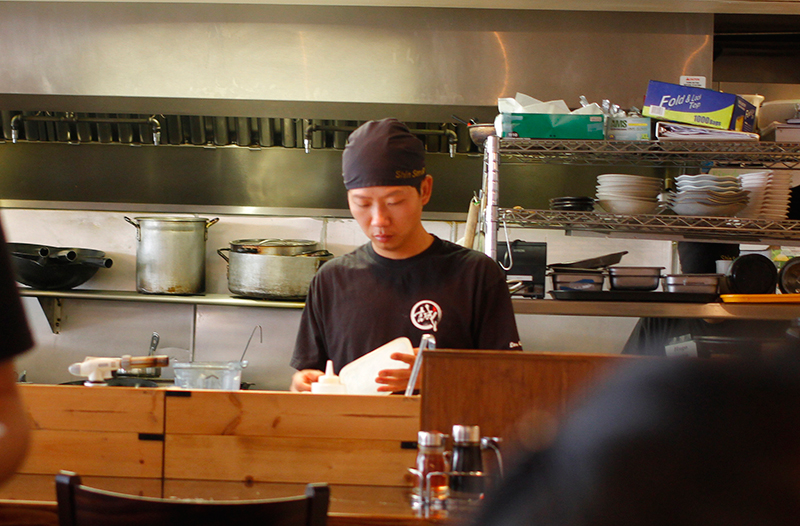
column 671, row 336
column 15, row 338
column 667, row 443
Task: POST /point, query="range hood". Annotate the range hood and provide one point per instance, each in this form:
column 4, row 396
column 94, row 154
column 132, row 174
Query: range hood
column 242, row 83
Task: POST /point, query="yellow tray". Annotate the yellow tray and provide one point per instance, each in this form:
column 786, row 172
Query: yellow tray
column 760, row 298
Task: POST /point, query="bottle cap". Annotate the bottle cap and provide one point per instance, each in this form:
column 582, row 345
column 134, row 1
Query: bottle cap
column 328, row 383
column 466, row 434
column 430, row 439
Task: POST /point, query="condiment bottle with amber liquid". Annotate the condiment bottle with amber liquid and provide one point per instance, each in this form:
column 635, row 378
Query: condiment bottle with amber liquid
column 431, row 459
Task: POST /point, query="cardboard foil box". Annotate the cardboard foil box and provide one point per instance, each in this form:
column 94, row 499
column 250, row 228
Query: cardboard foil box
column 551, row 126
column 698, row 106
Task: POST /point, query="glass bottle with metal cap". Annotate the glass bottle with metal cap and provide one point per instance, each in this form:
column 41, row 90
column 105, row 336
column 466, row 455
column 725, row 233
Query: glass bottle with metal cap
column 466, row 480
column 431, row 467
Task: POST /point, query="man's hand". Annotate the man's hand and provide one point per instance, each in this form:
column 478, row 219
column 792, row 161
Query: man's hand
column 302, row 380
column 396, row 380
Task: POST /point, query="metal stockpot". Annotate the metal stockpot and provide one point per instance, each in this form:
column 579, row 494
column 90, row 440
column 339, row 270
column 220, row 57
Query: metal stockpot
column 171, row 254
column 272, row 268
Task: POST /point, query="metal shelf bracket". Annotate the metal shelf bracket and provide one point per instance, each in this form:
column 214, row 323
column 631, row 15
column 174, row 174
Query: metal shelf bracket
column 52, row 311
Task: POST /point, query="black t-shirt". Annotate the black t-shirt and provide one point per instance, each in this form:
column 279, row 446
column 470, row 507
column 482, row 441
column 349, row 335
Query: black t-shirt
column 15, row 336
column 360, row 301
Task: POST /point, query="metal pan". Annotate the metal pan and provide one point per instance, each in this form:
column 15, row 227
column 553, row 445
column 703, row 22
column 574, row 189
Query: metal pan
column 598, row 262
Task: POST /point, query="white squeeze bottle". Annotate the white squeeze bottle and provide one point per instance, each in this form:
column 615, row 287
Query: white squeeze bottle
column 328, row 383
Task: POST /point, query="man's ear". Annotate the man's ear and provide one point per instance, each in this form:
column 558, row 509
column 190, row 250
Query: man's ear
column 426, row 189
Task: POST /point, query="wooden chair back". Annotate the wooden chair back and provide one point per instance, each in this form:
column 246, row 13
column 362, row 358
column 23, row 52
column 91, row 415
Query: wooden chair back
column 80, row 505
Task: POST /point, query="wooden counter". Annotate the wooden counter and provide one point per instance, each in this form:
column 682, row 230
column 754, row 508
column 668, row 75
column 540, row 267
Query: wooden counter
column 259, row 444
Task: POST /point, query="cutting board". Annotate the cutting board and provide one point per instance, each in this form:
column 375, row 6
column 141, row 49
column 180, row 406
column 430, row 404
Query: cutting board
column 760, row 298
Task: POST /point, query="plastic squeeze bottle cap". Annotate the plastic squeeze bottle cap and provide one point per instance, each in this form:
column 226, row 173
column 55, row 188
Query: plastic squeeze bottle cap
column 328, row 383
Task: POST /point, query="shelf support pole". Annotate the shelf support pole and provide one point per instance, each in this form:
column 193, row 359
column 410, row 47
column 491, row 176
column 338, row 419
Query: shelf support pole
column 491, row 160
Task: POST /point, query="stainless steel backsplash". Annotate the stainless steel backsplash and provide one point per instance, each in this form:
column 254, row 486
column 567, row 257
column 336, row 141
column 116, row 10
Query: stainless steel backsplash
column 224, row 72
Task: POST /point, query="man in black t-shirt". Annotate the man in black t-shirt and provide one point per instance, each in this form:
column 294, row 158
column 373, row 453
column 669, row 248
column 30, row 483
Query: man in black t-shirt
column 405, row 281
column 14, row 339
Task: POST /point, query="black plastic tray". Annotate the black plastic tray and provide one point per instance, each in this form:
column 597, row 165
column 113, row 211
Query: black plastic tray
column 635, row 295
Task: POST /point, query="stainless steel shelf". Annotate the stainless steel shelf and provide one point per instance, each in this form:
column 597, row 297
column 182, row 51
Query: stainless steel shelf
column 51, row 301
column 741, row 154
column 121, row 295
column 721, row 229
column 754, row 311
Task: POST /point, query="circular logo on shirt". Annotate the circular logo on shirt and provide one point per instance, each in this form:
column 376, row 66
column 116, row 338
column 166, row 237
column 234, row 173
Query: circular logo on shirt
column 426, row 315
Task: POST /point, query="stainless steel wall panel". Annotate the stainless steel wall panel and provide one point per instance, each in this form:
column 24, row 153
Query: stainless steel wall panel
column 343, row 54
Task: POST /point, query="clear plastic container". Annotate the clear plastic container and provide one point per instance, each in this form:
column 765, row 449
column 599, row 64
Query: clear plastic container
column 226, row 376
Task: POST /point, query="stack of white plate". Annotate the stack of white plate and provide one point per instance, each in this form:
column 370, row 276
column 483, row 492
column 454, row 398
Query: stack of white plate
column 708, row 195
column 628, row 194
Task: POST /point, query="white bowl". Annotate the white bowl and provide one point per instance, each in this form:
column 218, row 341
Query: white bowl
column 627, row 206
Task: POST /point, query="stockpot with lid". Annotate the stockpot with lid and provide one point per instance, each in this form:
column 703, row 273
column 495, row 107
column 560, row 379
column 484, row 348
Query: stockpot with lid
column 272, row 268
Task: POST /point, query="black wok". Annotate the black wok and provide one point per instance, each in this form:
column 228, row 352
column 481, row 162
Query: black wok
column 55, row 268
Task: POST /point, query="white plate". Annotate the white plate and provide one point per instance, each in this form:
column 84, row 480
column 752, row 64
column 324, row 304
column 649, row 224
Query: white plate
column 699, row 209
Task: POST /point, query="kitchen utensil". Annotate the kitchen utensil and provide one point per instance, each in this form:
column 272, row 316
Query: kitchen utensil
column 634, row 295
column 634, row 278
column 701, row 283
column 55, row 268
column 480, row 132
column 261, row 340
column 428, row 342
column 171, row 254
column 472, row 222
column 226, row 376
column 760, row 298
column 274, row 247
column 585, row 279
column 752, row 274
column 789, row 276
column 98, row 370
column 598, row 262
column 272, row 268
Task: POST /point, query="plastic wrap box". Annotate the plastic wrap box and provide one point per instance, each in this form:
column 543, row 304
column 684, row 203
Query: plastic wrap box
column 629, row 129
column 698, row 106
column 552, row 126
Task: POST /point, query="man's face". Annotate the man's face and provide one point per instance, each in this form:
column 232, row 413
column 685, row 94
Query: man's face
column 391, row 217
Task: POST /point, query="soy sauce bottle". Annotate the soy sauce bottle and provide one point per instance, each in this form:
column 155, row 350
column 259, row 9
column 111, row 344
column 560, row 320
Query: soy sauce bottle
column 467, row 461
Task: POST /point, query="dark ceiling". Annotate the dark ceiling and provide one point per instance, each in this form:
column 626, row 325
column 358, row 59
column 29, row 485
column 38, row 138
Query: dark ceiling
column 757, row 48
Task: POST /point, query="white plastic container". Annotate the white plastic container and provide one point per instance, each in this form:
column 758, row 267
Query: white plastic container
column 226, row 376
column 359, row 375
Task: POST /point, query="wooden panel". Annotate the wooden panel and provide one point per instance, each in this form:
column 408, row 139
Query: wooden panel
column 331, row 460
column 42, row 488
column 362, row 500
column 274, row 414
column 497, row 389
column 94, row 408
column 28, row 513
column 93, row 453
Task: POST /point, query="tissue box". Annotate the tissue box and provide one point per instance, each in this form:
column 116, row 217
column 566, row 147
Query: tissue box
column 551, row 126
column 698, row 106
column 629, row 129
